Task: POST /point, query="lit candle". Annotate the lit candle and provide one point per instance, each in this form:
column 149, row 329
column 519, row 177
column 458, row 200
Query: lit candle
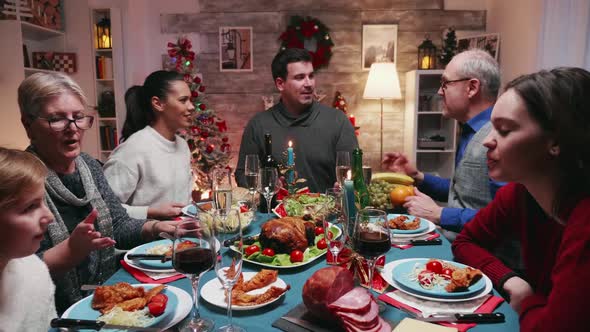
column 425, row 62
column 290, row 162
column 352, row 120
column 349, row 197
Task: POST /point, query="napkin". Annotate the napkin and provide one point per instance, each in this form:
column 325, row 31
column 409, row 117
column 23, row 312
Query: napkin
column 430, row 236
column 486, row 304
column 413, row 325
column 149, row 277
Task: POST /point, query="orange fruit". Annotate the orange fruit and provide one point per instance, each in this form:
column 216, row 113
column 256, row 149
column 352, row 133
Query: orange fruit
column 398, row 194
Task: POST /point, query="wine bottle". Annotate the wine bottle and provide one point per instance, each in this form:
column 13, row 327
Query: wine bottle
column 361, row 193
column 268, row 160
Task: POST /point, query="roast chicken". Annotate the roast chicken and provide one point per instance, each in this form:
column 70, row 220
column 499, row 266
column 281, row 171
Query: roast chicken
column 287, row 234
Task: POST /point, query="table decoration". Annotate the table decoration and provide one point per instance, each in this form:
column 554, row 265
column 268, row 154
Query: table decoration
column 356, row 264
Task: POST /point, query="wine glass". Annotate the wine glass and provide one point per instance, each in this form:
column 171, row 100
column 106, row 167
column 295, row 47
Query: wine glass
column 252, row 166
column 193, row 253
column 333, row 214
column 222, row 190
column 342, row 166
column 268, row 184
column 228, row 266
column 371, row 237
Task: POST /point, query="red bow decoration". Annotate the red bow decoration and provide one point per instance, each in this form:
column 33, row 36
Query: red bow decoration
column 356, row 264
column 221, row 125
column 308, row 28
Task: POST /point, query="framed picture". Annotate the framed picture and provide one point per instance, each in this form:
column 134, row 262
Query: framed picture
column 235, row 49
column 488, row 42
column 379, row 44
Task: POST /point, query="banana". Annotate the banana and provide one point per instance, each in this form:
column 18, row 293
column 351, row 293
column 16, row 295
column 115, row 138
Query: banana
column 391, row 177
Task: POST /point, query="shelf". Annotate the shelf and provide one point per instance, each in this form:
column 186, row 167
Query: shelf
column 435, row 151
column 36, row 32
column 103, row 50
column 430, row 112
column 105, row 80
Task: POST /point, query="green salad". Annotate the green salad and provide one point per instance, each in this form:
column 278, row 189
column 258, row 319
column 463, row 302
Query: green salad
column 297, row 206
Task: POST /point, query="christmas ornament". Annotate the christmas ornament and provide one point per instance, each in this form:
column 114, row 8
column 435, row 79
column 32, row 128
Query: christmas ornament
column 311, row 34
column 339, row 102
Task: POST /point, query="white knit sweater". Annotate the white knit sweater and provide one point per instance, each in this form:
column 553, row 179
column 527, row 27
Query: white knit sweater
column 148, row 169
column 26, row 296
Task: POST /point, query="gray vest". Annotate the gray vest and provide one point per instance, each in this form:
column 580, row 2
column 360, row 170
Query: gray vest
column 470, row 186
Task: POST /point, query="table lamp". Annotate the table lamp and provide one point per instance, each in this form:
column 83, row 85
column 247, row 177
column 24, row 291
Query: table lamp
column 383, row 83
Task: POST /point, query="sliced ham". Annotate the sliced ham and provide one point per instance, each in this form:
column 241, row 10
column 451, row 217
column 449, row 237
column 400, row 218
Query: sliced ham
column 325, row 286
column 356, row 301
column 377, row 328
column 367, row 320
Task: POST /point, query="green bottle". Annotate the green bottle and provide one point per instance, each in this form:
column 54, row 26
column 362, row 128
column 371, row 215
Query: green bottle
column 361, row 193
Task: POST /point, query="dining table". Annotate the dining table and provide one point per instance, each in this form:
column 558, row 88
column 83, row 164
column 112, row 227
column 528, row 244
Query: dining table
column 261, row 319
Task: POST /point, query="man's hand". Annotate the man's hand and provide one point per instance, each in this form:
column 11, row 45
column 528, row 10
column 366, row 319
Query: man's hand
column 85, row 239
column 165, row 210
column 399, row 163
column 421, row 205
column 518, row 289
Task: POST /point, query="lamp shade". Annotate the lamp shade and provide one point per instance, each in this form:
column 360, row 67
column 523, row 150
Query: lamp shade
column 383, row 82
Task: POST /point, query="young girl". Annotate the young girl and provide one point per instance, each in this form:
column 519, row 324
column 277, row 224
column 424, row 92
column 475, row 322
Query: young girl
column 540, row 143
column 26, row 289
column 150, row 170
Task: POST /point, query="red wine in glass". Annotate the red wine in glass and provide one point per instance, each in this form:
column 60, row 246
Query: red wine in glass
column 372, row 244
column 193, row 260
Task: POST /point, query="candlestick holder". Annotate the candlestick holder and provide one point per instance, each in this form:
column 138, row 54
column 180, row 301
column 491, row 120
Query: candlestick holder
column 291, row 180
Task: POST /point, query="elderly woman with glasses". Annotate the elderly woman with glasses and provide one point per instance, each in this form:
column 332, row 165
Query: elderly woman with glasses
column 78, row 247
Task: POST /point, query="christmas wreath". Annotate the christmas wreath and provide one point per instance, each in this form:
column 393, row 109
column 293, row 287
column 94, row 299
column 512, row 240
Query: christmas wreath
column 311, row 34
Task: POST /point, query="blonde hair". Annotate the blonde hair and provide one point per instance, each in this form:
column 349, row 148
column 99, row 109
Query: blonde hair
column 39, row 88
column 20, row 172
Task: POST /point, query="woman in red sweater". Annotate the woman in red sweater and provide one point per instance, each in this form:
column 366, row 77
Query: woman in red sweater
column 540, row 143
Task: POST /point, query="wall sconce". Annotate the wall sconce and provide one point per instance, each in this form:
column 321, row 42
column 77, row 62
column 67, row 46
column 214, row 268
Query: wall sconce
column 103, row 34
column 427, row 54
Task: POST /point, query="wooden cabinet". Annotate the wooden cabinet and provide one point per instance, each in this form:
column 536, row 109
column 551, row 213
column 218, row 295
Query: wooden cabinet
column 429, row 138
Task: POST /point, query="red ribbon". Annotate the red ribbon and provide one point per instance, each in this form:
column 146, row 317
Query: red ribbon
column 356, row 264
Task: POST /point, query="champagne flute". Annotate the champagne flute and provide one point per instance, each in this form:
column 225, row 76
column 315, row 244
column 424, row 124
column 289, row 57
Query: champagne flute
column 193, row 253
column 334, row 215
column 222, row 190
column 228, row 266
column 268, row 184
column 252, row 166
column 371, row 237
column 342, row 166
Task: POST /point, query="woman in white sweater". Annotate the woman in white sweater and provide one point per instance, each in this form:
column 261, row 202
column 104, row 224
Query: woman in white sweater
column 26, row 289
column 150, row 171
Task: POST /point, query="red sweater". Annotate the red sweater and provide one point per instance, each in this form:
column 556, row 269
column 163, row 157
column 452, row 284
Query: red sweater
column 556, row 257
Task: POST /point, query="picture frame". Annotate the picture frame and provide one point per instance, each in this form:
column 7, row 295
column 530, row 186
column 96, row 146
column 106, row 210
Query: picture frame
column 489, row 42
column 379, row 44
column 235, row 49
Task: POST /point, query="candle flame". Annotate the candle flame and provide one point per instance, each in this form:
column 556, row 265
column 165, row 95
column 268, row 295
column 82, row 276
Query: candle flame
column 348, row 175
column 205, row 195
column 290, row 144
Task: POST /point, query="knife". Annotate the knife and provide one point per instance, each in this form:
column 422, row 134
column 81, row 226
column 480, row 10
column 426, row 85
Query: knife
column 246, row 240
column 433, row 242
column 495, row 317
column 96, row 325
column 305, row 324
column 150, row 257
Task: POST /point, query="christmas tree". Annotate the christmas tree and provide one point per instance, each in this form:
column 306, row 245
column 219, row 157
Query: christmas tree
column 449, row 48
column 340, row 102
column 206, row 139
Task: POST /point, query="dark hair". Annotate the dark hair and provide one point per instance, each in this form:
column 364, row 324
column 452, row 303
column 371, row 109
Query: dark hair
column 138, row 100
column 285, row 57
column 558, row 100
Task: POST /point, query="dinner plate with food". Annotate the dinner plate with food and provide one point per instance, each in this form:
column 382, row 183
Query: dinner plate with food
column 253, row 290
column 140, row 305
column 406, row 226
column 287, row 242
column 437, row 279
column 302, row 204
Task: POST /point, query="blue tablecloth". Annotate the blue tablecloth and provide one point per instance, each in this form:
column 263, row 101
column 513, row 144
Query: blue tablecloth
column 262, row 318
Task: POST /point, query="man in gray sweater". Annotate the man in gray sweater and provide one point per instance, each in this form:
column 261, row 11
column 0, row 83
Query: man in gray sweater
column 317, row 131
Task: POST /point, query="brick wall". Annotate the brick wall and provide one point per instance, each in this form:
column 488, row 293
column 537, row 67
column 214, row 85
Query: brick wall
column 237, row 96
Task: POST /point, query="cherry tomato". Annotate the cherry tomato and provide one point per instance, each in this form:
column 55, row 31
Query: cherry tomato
column 434, row 266
column 156, row 308
column 268, row 252
column 243, row 208
column 319, row 230
column 330, row 235
column 252, row 249
column 296, row 256
column 322, row 244
column 161, row 298
column 447, row 273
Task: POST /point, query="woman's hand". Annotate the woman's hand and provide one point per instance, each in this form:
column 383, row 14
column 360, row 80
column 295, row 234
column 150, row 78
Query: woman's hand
column 85, row 239
column 518, row 290
column 165, row 210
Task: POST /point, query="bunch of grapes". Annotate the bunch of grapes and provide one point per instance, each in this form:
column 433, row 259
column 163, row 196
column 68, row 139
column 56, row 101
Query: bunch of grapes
column 379, row 193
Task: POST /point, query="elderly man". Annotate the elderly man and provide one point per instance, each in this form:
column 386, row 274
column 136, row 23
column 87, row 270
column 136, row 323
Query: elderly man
column 317, row 131
column 469, row 87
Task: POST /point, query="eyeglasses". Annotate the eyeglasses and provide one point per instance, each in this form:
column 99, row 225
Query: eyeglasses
column 60, row 124
column 443, row 83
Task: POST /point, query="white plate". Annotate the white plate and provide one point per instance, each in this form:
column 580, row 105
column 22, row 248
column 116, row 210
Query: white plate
column 140, row 267
column 214, row 293
column 431, row 227
column 183, row 308
column 387, row 274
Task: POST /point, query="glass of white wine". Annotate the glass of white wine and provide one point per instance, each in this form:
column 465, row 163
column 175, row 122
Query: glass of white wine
column 222, row 191
column 342, row 166
column 252, row 166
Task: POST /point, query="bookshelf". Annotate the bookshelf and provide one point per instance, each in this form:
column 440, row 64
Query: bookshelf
column 108, row 80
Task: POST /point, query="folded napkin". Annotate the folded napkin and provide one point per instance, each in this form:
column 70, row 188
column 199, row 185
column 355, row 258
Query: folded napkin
column 151, row 277
column 486, row 304
column 430, row 236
